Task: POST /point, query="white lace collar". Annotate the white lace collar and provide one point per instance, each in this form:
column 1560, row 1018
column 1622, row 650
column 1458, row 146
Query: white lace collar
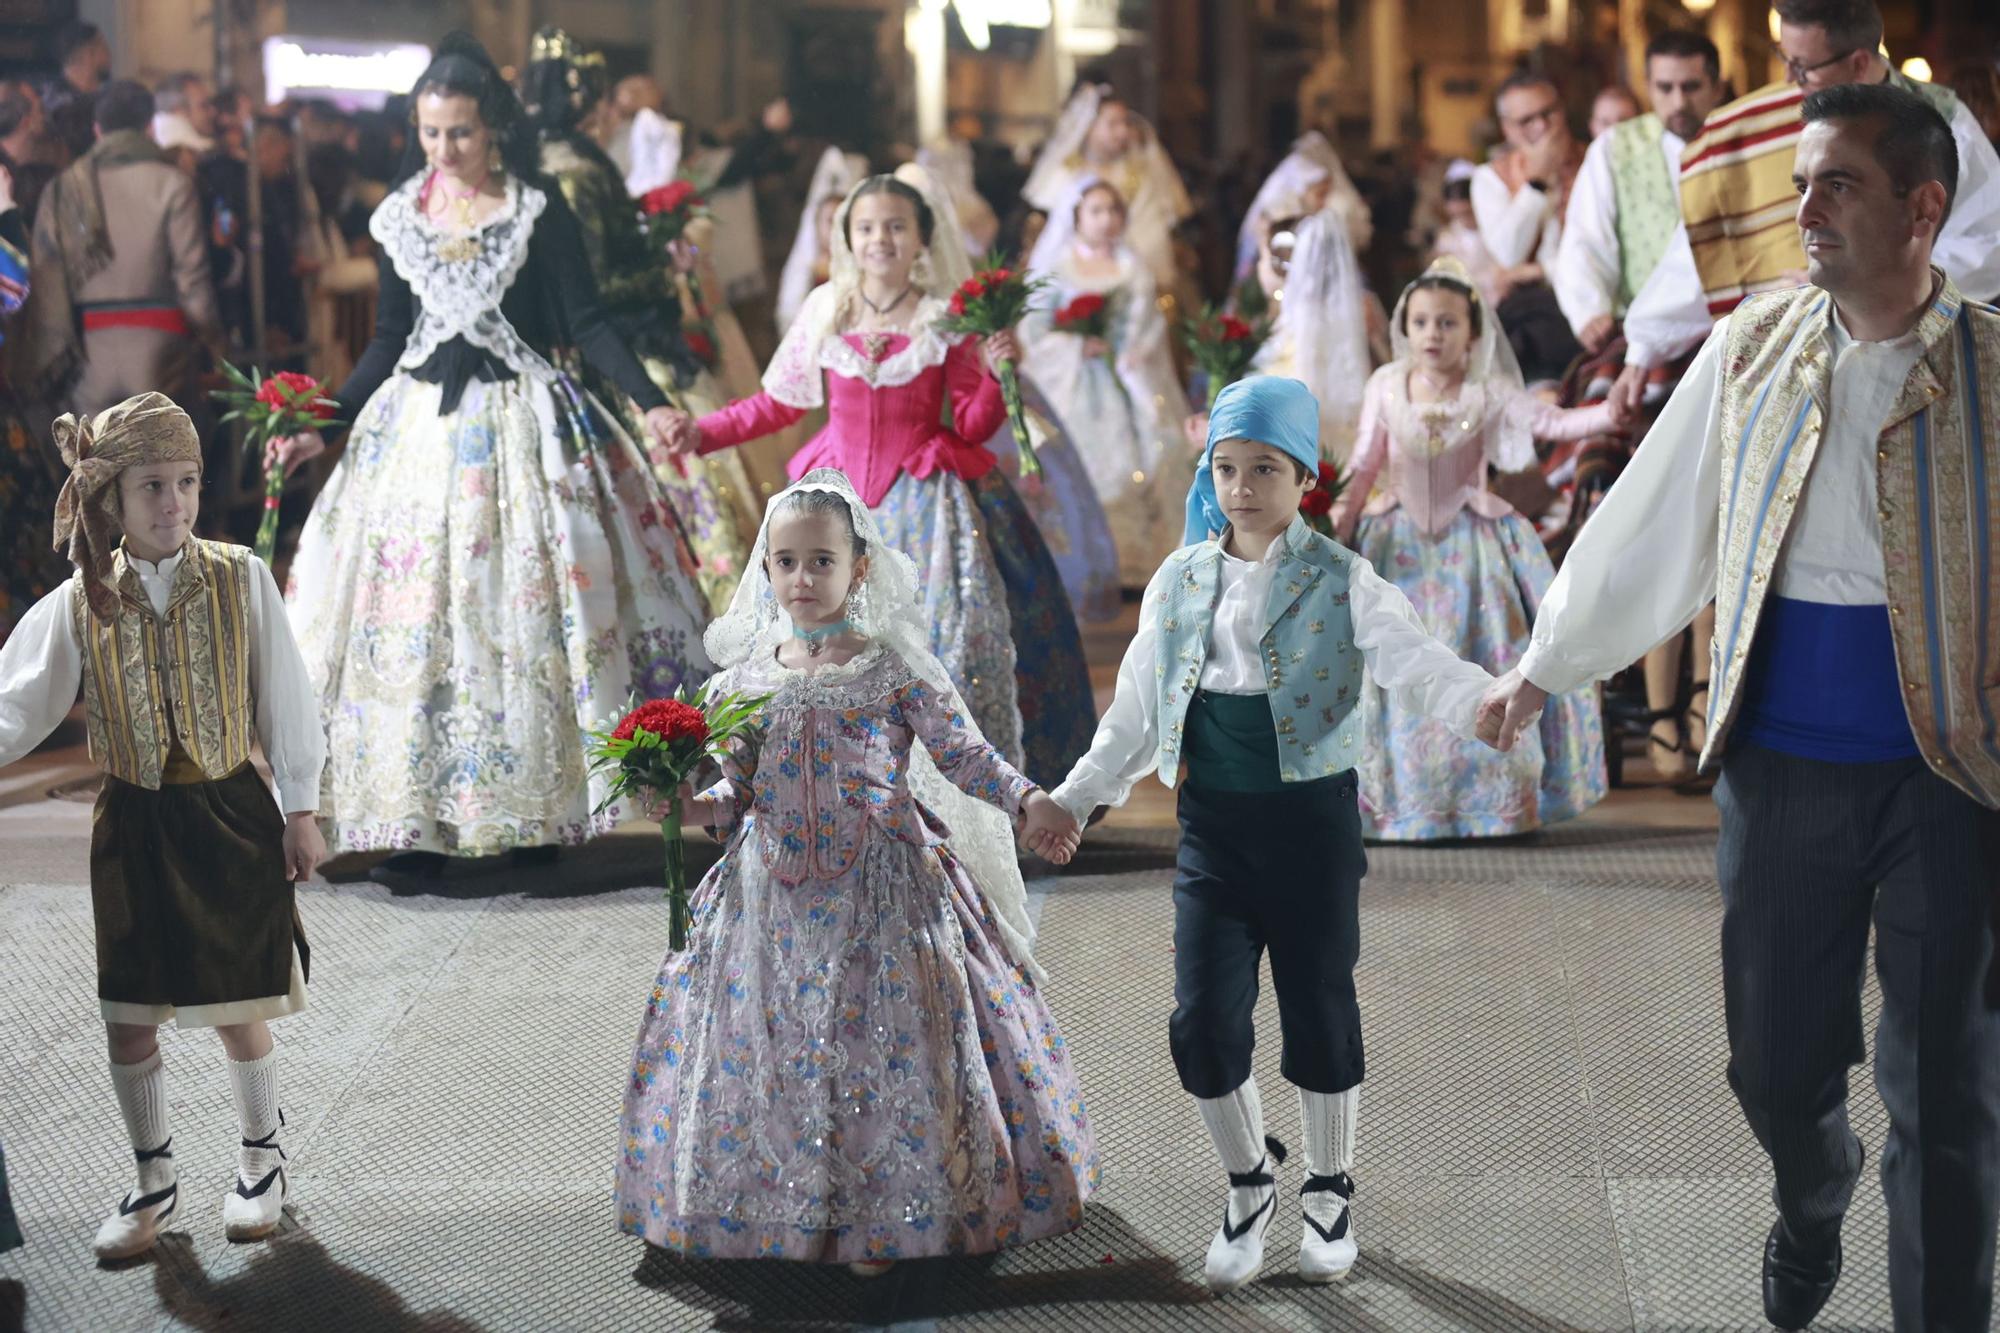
column 460, row 278
column 814, row 345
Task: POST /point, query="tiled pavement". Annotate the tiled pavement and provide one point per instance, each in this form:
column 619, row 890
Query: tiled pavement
column 1546, row 1138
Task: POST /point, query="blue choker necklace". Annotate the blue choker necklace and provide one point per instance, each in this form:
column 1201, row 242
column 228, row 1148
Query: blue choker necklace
column 816, row 639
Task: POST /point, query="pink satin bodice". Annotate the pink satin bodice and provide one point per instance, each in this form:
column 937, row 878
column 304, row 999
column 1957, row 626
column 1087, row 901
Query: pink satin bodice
column 876, row 432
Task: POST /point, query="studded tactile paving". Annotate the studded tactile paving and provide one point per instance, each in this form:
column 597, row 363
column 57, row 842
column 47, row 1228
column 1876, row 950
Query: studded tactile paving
column 1546, row 1142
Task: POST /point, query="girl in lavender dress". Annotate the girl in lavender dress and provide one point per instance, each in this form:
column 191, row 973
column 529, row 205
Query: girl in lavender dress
column 1433, row 420
column 851, row 1062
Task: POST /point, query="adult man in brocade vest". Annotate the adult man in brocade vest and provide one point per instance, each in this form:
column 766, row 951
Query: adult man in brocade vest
column 1823, row 474
column 1737, row 200
column 1622, row 212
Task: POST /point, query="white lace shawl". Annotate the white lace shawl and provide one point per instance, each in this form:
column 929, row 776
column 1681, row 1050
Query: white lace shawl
column 461, row 298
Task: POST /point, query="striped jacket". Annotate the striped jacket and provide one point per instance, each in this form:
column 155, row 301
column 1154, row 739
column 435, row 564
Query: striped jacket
column 1939, row 496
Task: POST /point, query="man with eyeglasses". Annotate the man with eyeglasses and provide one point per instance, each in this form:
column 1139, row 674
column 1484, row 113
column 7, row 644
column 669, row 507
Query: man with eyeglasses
column 1737, row 196
column 1518, row 199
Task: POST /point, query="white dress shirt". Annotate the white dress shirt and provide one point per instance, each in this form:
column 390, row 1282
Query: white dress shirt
column 1670, row 313
column 1420, row 673
column 1589, row 259
column 1645, row 562
column 1517, row 227
column 41, row 670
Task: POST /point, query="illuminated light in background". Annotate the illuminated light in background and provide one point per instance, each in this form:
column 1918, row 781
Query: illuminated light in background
column 1918, row 68
column 1700, row 6
column 1774, row 25
column 368, row 71
column 980, row 17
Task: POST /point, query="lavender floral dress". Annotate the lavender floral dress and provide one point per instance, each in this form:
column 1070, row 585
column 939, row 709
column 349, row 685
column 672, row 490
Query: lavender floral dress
column 844, row 1064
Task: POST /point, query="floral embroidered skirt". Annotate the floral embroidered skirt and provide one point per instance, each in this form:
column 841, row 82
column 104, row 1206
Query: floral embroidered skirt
column 471, row 591
column 1074, row 525
column 849, row 1069
column 999, row 618
column 1476, row 585
column 710, row 494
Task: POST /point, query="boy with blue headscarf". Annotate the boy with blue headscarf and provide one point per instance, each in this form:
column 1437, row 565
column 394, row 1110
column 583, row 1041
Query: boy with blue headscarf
column 1248, row 666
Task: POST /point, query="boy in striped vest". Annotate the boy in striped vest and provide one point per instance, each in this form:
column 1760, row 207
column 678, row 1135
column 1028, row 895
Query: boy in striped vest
column 185, row 657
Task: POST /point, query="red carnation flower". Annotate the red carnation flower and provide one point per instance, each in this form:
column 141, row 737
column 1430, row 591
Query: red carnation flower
column 669, row 198
column 289, row 389
column 699, row 344
column 1234, row 329
column 957, row 306
column 1000, row 275
column 669, row 719
column 972, row 287
column 1080, row 311
column 1329, row 475
column 1316, row 502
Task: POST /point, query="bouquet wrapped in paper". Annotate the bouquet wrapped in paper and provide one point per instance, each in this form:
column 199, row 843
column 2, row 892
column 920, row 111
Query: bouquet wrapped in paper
column 992, row 301
column 654, row 749
column 286, row 403
column 1223, row 346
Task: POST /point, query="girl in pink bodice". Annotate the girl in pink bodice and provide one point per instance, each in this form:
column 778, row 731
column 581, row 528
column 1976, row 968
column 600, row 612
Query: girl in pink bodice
column 1433, row 421
column 866, row 347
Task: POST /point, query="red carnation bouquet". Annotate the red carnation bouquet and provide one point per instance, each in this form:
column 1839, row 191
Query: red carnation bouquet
column 1223, row 346
column 669, row 210
column 992, row 301
column 655, row 748
column 1317, row 504
column 1087, row 316
column 286, row 403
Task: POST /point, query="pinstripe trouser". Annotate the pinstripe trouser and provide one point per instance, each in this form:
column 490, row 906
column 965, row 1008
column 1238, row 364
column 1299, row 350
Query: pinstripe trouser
column 1810, row 853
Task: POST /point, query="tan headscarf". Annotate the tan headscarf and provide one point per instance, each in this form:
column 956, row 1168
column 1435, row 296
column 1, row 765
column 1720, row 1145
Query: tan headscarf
column 147, row 428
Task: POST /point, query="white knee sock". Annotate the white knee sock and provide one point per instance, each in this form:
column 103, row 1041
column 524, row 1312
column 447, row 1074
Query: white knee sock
column 142, row 1100
column 1328, row 1121
column 255, row 1086
column 1235, row 1123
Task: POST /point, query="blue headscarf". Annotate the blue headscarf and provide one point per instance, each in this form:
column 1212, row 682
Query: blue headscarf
column 1268, row 409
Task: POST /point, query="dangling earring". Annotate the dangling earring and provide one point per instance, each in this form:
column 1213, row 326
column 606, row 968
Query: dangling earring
column 857, row 608
column 920, row 272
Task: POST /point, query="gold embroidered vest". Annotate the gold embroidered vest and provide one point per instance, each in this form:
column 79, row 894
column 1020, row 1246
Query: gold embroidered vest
column 179, row 685
column 1939, row 508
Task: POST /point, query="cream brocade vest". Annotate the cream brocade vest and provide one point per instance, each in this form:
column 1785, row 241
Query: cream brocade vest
column 1939, row 503
column 149, row 682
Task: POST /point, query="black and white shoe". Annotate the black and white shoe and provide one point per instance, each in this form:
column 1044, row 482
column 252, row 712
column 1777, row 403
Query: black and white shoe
column 136, row 1225
column 1327, row 1249
column 252, row 1210
column 1237, row 1251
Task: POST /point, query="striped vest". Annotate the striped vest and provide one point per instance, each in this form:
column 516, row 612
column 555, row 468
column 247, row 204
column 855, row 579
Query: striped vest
column 1737, row 196
column 149, row 682
column 1313, row 672
column 1939, row 497
column 1647, row 201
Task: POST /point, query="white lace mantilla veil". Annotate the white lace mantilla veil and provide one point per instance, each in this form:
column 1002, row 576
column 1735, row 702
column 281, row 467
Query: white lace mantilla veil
column 981, row 836
column 1324, row 315
column 1312, row 159
column 1059, row 233
column 1490, row 369
column 794, row 377
column 950, row 163
column 835, row 174
column 1046, row 180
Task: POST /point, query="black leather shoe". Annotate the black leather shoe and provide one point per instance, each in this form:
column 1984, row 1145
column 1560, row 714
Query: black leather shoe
column 1797, row 1279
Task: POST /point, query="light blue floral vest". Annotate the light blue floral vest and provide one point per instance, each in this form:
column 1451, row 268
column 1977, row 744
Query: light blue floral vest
column 1312, row 670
